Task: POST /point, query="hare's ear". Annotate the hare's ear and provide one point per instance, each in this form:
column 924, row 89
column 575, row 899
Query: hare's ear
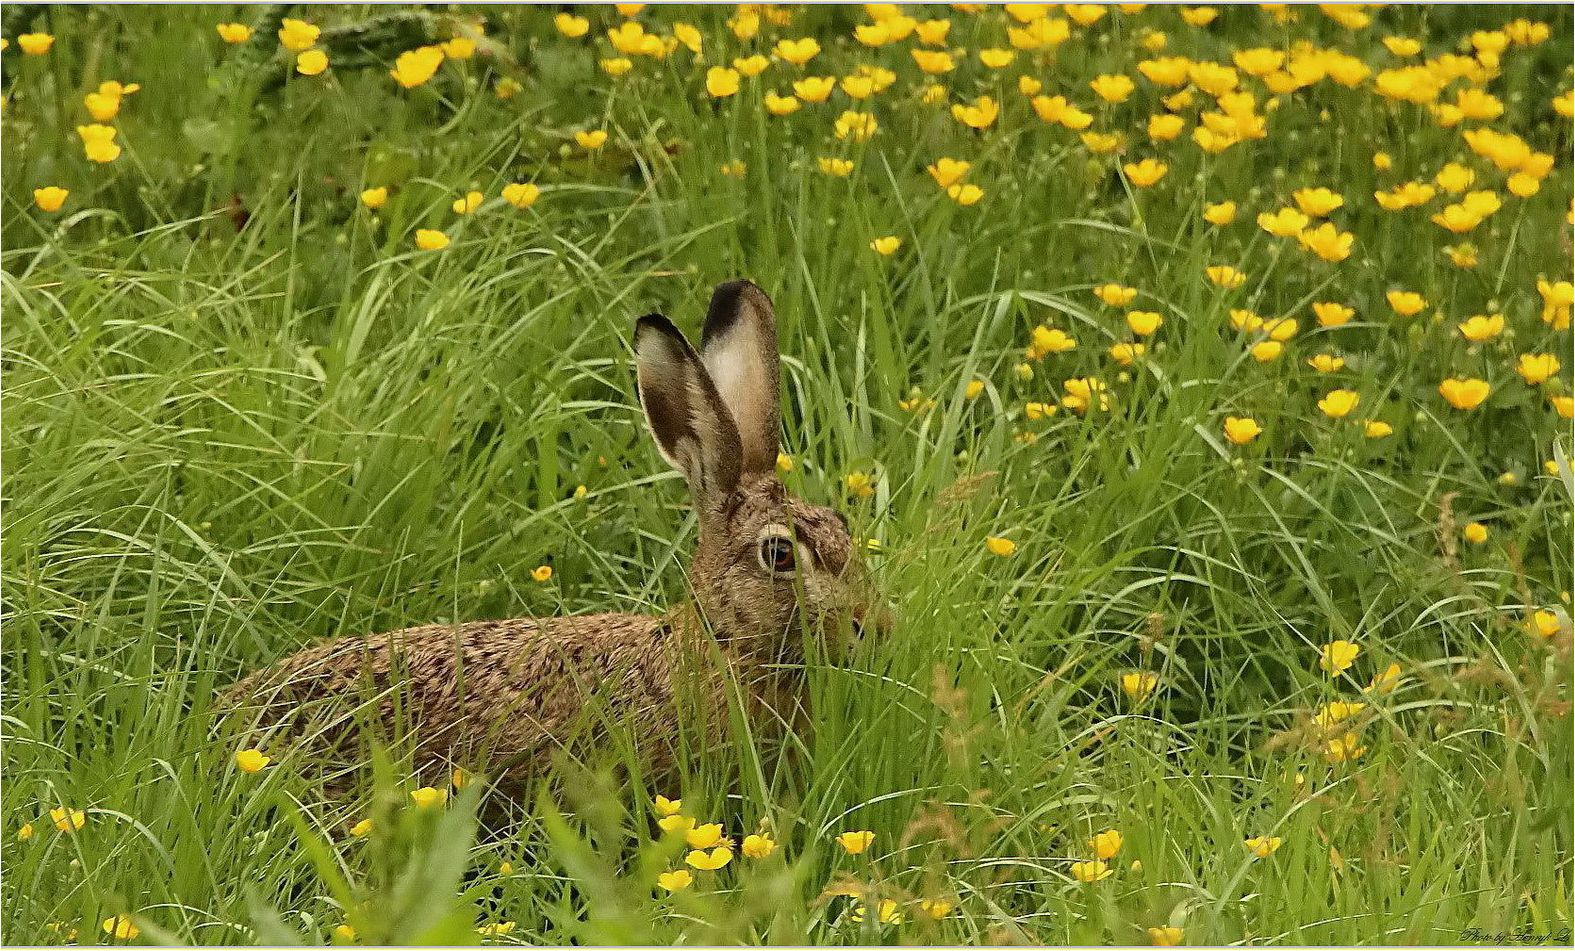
column 691, row 425
column 739, row 347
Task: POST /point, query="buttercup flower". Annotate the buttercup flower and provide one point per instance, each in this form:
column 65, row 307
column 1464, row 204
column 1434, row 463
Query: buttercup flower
column 1220, row 213
column 1241, row 430
column 98, row 142
column 35, row 44
column 1165, row 936
column 121, row 928
column 721, row 82
column 758, row 846
column 521, row 194
column 1464, row 394
column 948, row 171
column 1263, row 846
column 1536, row 368
column 709, row 861
column 251, row 760
column 297, row 35
column 571, row 26
column 1405, row 303
column 1336, row 657
column 855, row 843
column 311, row 62
column 374, row 198
column 429, row 240
column 1092, row 871
column 676, row 880
column 591, row 139
column 1137, row 685
column 67, row 819
column 1106, row 844
column 234, row 33
column 415, row 67
column 428, row 796
column 50, row 198
column 1000, row 547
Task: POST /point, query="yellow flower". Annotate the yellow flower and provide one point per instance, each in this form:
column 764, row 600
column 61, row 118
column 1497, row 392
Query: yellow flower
column 1563, row 405
column 428, row 796
column 1125, row 353
column 1139, row 684
column 1058, row 109
column 933, row 62
column 709, row 861
column 1317, row 202
column 996, row 58
column 675, row 881
column 1259, row 61
column 1085, row 14
column 1263, row 846
column 1283, row 223
column 35, row 44
column 1342, row 749
column 541, row 574
column 1402, row 46
column 936, row 908
column 1115, row 295
column 1112, row 87
column 297, row 35
column 1145, row 173
column 1225, row 276
column 859, row 484
column 751, row 65
column 345, row 933
column 973, row 389
column 1144, row 322
column 979, row 115
column 965, row 195
column 1170, row 71
column 836, row 167
column 888, row 912
column 25, row 832
column 1475, row 532
column 1544, row 624
column 1042, row 33
column 721, row 82
column 758, row 846
column 1035, row 411
column 855, row 843
column 1165, row 936
column 414, row 67
column 521, row 194
column 362, row 829
column 1482, row 328
column 1336, row 711
column 429, row 240
column 1336, row 657
column 121, row 928
column 1405, row 303
column 1464, row 394
column 933, row 32
column 1377, row 429
column 1267, row 351
column 1000, row 547
column 469, row 203
column 1106, row 844
column 948, row 171
column 251, row 760
column 98, row 142
column 1327, row 243
column 668, row 807
column 629, row 9
column 781, row 105
column 1093, row 871
column 311, row 62
column 706, row 836
column 1162, row 127
column 495, row 929
column 1535, row 368
column 50, row 198
column 374, row 198
column 859, row 126
column 1384, row 682
column 813, row 89
column 571, row 26
column 1220, row 213
column 234, row 33
column 68, row 820
column 887, row 245
column 591, row 139
column 460, row 48
column 1199, row 16
column 1326, row 363
column 798, row 52
column 1241, row 430
column 1331, row 314
column 1100, row 143
column 689, row 36
column 676, row 823
column 616, row 66
column 1337, row 404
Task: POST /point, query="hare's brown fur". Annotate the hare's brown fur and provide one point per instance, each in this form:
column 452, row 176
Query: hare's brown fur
column 514, row 692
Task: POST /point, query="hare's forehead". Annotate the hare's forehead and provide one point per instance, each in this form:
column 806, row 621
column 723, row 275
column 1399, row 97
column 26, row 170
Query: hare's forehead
column 822, row 529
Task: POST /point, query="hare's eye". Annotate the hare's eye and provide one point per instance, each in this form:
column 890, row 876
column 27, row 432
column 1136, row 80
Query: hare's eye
column 776, row 554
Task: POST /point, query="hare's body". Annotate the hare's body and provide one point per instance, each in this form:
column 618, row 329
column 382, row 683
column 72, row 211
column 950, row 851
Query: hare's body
column 511, row 691
column 514, row 692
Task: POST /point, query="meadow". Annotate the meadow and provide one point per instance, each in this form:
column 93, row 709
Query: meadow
column 1195, row 378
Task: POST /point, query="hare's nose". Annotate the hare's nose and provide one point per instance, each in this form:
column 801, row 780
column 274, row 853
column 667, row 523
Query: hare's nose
column 875, row 618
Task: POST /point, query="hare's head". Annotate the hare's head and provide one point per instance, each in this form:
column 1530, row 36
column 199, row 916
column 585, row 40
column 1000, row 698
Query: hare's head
column 766, row 562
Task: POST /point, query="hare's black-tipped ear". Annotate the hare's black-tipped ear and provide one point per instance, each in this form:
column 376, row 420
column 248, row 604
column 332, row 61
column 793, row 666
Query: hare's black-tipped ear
column 739, row 347
column 691, row 425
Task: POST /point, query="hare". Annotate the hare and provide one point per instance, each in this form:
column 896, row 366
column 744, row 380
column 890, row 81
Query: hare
column 767, row 567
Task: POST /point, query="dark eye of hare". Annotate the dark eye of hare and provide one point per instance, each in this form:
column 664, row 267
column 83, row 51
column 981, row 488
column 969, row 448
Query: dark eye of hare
column 776, row 554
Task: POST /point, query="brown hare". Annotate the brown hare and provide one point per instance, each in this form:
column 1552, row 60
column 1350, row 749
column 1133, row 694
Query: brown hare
column 503, row 696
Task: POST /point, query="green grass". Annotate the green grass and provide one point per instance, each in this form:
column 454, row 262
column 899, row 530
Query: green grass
column 222, row 445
